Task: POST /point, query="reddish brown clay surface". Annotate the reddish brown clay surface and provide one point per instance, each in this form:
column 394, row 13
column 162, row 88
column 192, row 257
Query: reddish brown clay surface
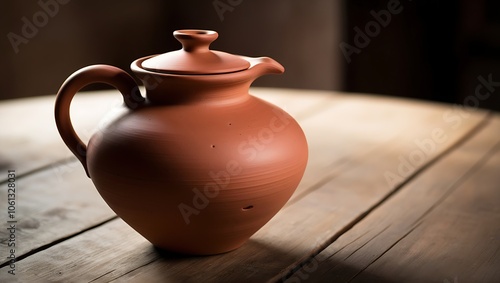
column 199, row 165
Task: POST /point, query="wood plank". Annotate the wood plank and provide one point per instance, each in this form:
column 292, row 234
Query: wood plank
column 52, row 205
column 29, row 139
column 297, row 230
column 358, row 125
column 443, row 225
column 316, row 212
column 50, row 201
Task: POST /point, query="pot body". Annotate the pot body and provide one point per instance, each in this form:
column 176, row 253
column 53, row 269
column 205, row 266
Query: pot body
column 199, row 176
column 199, row 165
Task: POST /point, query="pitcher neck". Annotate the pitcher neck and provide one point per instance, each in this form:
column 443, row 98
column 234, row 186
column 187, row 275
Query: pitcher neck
column 169, row 89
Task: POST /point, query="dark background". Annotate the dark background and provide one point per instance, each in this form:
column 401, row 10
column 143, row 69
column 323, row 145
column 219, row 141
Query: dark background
column 433, row 50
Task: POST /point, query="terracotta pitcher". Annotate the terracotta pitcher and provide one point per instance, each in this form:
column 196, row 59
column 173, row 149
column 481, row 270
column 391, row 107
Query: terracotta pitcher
column 199, row 165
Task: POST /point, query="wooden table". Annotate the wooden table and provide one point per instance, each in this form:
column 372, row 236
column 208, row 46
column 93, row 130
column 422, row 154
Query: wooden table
column 395, row 191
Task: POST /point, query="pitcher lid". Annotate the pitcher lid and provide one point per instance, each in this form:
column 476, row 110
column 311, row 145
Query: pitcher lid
column 195, row 57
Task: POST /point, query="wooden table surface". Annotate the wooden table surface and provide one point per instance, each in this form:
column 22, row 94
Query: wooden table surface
column 395, row 191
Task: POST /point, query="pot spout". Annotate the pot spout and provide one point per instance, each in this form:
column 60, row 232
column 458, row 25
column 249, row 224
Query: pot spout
column 264, row 65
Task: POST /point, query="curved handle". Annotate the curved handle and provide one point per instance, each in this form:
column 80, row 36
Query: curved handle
column 79, row 79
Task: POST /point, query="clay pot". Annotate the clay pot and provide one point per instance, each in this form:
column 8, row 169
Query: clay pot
column 199, row 165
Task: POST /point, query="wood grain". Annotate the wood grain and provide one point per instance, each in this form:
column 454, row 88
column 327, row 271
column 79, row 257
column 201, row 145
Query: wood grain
column 53, row 204
column 443, row 227
column 354, row 141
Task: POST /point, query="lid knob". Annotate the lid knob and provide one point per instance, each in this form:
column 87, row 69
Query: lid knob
column 195, row 40
column 195, row 57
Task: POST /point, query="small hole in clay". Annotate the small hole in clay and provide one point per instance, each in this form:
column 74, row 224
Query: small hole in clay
column 247, row 208
column 213, row 146
column 230, row 124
